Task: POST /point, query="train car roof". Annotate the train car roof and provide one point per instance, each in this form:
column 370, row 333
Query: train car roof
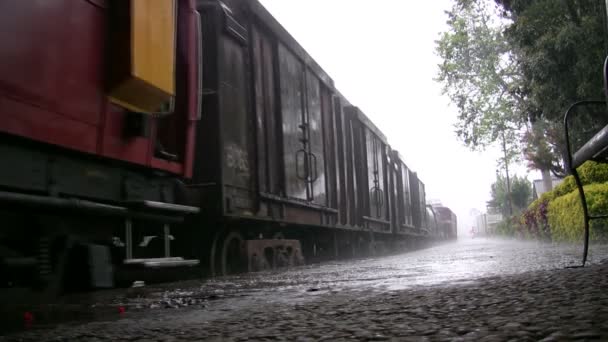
column 368, row 123
column 399, row 156
column 443, row 209
column 288, row 40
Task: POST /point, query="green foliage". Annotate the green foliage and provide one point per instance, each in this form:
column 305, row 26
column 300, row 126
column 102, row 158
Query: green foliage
column 565, row 187
column 590, row 172
column 534, row 222
column 522, row 67
column 479, row 74
column 542, row 144
column 506, row 227
column 521, row 193
column 561, row 48
column 558, row 214
column 565, row 214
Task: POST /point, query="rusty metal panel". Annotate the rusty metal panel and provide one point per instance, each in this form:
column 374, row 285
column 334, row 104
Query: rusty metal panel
column 377, row 197
column 360, row 173
column 352, row 149
column 407, row 196
column 422, row 201
column 329, row 138
column 260, row 108
column 269, row 156
column 403, row 197
column 394, row 186
column 292, row 115
column 316, row 160
column 373, row 176
column 341, row 185
column 235, row 128
column 369, row 172
column 415, row 193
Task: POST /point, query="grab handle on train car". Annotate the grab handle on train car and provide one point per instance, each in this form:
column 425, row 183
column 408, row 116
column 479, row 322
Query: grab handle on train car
column 301, row 154
column 312, row 161
column 377, row 196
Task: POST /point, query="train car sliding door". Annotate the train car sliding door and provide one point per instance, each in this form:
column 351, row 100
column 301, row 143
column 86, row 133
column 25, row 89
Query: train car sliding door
column 302, row 125
column 406, row 197
column 314, row 127
column 376, row 177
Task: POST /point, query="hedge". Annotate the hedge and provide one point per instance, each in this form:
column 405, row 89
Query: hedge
column 558, row 214
column 590, row 173
column 565, row 214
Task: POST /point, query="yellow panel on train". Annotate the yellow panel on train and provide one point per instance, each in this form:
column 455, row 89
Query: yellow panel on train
column 142, row 62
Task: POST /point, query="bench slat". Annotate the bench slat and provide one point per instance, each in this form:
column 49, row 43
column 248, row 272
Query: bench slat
column 595, row 148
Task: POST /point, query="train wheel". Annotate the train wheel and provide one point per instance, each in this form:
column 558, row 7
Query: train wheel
column 233, row 258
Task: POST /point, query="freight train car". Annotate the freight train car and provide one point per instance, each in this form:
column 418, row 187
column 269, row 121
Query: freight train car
column 146, row 135
column 447, row 223
column 97, row 119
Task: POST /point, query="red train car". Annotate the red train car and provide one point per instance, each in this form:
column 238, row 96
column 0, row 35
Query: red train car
column 54, row 78
column 77, row 166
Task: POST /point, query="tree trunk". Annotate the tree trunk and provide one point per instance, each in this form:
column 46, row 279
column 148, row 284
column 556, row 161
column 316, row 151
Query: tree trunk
column 547, row 181
column 506, row 159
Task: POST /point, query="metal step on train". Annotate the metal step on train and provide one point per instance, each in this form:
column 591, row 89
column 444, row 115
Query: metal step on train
column 64, row 235
column 157, row 262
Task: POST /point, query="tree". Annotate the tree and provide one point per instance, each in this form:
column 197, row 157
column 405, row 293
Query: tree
column 480, row 76
column 560, row 47
column 521, row 195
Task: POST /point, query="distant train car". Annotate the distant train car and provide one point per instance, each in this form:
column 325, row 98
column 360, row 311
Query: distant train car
column 431, row 221
column 447, row 223
column 220, row 143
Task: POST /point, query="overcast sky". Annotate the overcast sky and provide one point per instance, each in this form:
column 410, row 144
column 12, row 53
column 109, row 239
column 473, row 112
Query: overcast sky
column 381, row 55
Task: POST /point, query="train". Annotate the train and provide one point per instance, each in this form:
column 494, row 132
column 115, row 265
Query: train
column 140, row 137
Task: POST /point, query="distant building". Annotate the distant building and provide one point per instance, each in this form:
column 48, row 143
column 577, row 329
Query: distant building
column 538, row 187
column 486, row 223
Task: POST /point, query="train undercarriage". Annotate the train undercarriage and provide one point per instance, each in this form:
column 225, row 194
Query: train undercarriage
column 69, row 250
column 218, row 147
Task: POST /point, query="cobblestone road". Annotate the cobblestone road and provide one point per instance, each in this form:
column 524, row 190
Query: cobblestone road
column 478, row 290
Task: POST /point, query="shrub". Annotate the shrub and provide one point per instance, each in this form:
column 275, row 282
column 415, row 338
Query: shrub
column 534, row 222
column 506, row 227
column 565, row 214
column 593, row 172
column 558, row 214
column 565, row 187
column 590, row 173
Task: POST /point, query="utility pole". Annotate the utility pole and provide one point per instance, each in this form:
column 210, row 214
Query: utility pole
column 504, row 150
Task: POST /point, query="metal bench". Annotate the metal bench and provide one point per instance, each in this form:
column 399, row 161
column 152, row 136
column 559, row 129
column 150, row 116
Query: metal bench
column 595, row 149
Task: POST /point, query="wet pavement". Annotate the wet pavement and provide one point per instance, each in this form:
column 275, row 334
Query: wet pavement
column 476, row 289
